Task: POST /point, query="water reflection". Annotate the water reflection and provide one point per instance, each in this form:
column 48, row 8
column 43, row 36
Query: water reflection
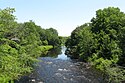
column 62, row 55
column 54, row 52
column 58, row 53
column 62, row 70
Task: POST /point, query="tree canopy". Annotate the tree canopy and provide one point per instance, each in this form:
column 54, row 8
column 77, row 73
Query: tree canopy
column 101, row 42
column 21, row 44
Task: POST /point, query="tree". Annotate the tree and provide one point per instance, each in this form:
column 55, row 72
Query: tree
column 14, row 61
column 108, row 19
column 80, row 42
column 63, row 39
column 7, row 22
column 20, row 45
column 108, row 26
column 52, row 37
column 102, row 42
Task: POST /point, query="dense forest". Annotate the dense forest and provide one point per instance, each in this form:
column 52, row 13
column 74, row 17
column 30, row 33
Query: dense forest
column 21, row 44
column 101, row 42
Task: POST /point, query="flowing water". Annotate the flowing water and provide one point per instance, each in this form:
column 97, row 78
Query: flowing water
column 56, row 67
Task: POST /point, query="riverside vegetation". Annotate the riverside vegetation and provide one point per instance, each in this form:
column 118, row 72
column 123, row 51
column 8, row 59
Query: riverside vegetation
column 101, row 43
column 21, row 44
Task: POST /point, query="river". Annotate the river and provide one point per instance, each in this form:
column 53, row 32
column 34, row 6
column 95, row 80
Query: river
column 56, row 67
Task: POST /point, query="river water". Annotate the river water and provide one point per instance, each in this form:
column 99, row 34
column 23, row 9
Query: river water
column 56, row 67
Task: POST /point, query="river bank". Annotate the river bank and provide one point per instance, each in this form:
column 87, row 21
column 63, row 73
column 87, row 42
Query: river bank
column 62, row 69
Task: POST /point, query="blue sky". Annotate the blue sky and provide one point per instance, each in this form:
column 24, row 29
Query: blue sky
column 63, row 15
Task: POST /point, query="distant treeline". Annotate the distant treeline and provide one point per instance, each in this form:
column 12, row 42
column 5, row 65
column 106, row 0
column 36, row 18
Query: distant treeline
column 21, row 44
column 102, row 43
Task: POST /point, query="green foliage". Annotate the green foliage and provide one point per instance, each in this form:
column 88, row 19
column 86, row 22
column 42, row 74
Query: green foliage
column 41, row 50
column 100, row 63
column 52, row 37
column 75, row 40
column 101, row 42
column 81, row 42
column 21, row 44
column 12, row 63
column 108, row 19
column 111, row 73
column 45, row 42
column 28, row 34
column 63, row 40
column 86, row 43
column 115, row 74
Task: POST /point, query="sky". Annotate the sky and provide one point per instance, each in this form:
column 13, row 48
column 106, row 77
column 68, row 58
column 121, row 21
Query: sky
column 62, row 15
